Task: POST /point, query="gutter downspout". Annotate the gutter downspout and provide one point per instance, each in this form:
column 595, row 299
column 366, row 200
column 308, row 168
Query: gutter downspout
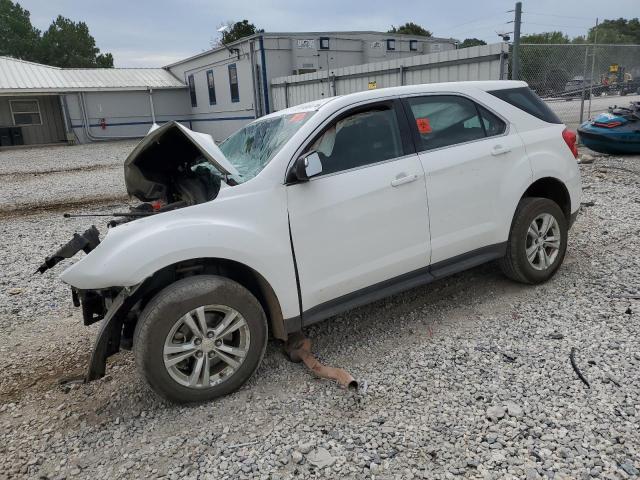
column 87, row 128
column 153, row 112
column 265, row 86
column 252, row 61
column 65, row 118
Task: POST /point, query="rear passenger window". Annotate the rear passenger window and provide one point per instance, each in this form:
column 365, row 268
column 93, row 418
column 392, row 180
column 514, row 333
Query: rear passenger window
column 524, row 99
column 361, row 139
column 444, row 120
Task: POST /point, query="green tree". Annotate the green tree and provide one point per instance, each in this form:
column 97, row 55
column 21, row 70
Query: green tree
column 69, row 44
column 104, row 60
column 18, row 38
column 410, row 28
column 616, row 31
column 545, row 37
column 471, row 42
column 239, row 30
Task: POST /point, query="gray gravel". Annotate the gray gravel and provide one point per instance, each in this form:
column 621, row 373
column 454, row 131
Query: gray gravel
column 468, row 377
column 56, row 158
column 47, row 177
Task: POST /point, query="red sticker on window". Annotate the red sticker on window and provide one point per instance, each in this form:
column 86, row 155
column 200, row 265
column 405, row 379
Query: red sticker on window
column 423, row 125
column 298, row 117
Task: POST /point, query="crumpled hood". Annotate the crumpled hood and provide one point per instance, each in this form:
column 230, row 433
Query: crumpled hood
column 177, row 143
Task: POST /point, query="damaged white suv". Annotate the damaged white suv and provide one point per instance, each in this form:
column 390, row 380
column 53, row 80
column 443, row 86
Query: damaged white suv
column 314, row 210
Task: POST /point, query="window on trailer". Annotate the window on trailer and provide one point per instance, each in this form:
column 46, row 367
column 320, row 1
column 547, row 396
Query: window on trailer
column 25, row 112
column 212, row 87
column 233, row 83
column 192, row 91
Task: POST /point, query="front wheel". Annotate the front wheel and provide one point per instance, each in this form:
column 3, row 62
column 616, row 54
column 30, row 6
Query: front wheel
column 537, row 241
column 200, row 338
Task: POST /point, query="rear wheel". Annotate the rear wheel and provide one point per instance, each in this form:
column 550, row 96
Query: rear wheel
column 537, row 241
column 200, row 338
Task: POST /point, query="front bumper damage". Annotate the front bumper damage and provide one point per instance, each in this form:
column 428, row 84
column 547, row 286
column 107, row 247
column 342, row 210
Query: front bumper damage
column 112, row 306
column 110, row 336
column 86, row 242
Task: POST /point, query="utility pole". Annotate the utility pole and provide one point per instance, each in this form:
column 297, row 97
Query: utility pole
column 515, row 62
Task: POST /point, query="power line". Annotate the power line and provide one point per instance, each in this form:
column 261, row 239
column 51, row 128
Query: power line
column 556, row 25
column 559, row 16
column 491, row 26
column 455, row 27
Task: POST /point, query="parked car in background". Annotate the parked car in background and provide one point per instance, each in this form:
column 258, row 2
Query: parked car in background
column 578, row 87
column 317, row 209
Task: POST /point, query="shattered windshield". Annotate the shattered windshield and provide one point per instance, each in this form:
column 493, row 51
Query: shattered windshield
column 252, row 147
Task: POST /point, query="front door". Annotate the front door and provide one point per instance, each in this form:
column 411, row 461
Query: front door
column 364, row 220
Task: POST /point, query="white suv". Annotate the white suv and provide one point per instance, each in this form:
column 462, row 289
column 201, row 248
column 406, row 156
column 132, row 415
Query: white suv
column 317, row 209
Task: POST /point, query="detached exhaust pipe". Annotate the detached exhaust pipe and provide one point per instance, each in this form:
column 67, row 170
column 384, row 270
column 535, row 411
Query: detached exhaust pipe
column 298, row 349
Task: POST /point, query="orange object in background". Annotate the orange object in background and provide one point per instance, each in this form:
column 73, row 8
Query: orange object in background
column 424, row 126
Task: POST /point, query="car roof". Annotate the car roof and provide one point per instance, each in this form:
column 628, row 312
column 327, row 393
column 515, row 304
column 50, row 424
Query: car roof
column 382, row 93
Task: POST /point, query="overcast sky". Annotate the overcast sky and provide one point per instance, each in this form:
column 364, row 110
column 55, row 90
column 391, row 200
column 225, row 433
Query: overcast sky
column 155, row 33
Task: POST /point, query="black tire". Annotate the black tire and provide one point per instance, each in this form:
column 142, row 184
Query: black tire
column 515, row 264
column 172, row 303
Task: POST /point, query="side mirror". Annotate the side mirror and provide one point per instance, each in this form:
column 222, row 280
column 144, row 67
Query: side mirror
column 305, row 167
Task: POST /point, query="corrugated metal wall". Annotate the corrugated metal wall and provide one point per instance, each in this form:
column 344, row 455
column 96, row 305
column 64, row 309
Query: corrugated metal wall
column 485, row 62
column 52, row 128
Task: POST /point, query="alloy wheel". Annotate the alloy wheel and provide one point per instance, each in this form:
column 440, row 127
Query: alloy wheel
column 206, row 346
column 543, row 241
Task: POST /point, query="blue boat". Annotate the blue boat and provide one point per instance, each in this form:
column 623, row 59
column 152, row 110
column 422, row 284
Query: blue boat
column 617, row 131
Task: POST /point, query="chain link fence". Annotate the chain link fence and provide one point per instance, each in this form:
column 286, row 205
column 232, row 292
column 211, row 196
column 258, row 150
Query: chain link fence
column 579, row 81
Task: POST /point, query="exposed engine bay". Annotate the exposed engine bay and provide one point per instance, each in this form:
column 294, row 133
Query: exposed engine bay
column 174, row 167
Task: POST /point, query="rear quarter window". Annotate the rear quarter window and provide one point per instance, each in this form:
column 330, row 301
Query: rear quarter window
column 526, row 100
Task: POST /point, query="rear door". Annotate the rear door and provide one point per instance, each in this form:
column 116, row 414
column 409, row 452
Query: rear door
column 469, row 155
column 364, row 220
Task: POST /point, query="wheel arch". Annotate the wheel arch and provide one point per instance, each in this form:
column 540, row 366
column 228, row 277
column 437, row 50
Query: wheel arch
column 246, row 276
column 552, row 189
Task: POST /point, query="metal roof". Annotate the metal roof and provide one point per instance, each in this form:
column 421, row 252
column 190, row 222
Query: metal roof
column 20, row 76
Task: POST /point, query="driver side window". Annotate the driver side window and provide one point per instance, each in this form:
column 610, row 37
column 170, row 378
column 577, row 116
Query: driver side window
column 360, row 139
column 443, row 120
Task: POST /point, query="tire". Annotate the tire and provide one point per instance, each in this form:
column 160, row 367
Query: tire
column 515, row 263
column 164, row 327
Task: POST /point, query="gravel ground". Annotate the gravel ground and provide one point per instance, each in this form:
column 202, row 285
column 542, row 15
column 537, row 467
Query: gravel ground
column 468, row 377
column 57, row 158
column 46, row 177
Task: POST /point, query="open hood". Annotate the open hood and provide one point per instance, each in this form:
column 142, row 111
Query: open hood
column 165, row 153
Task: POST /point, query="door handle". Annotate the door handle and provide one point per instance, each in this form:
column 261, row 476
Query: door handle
column 402, row 180
column 499, row 150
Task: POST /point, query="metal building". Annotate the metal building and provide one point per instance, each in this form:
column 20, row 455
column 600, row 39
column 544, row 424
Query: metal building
column 217, row 91
column 231, row 85
column 40, row 104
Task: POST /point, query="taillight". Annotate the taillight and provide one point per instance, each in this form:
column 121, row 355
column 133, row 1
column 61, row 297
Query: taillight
column 570, row 138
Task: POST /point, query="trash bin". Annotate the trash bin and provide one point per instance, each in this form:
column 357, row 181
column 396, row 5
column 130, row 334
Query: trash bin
column 5, row 137
column 16, row 136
